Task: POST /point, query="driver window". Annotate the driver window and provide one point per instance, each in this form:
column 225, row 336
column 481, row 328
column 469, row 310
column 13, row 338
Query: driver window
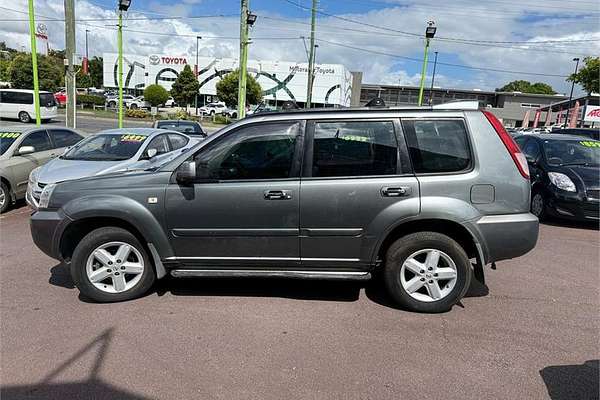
column 264, row 151
column 159, row 143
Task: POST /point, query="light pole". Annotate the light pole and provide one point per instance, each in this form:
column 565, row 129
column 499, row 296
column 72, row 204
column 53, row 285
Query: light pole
column 36, row 84
column 246, row 19
column 311, row 56
column 197, row 70
column 87, row 56
column 123, row 6
column 576, row 59
column 433, row 79
column 429, row 34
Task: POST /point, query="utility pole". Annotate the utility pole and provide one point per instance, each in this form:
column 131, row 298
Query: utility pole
column 120, row 72
column 87, row 55
column 36, row 84
column 246, row 19
column 311, row 56
column 571, row 94
column 429, row 34
column 70, row 55
column 197, row 70
column 433, row 79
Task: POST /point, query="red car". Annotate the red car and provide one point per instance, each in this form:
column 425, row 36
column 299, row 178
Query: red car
column 61, row 98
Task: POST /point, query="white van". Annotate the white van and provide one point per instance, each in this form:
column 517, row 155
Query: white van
column 18, row 104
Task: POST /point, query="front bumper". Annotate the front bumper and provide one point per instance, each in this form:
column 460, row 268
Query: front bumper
column 573, row 206
column 46, row 228
column 507, row 236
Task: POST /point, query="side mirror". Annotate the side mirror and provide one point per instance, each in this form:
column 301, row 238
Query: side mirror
column 186, row 173
column 151, row 153
column 26, row 150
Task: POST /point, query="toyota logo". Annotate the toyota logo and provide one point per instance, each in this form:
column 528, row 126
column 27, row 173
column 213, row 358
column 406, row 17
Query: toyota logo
column 154, row 60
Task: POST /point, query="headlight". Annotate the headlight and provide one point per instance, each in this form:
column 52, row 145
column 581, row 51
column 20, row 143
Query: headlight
column 46, row 194
column 33, row 175
column 562, row 181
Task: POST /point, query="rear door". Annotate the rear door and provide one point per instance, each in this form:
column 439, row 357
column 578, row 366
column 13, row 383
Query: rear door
column 356, row 174
column 63, row 138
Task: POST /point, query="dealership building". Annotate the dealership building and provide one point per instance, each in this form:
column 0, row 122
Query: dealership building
column 280, row 80
column 513, row 108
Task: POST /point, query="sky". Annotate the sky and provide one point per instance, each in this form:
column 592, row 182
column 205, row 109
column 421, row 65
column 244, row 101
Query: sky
column 481, row 44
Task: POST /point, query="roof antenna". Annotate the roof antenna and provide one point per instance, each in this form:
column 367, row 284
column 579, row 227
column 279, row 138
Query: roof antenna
column 376, row 102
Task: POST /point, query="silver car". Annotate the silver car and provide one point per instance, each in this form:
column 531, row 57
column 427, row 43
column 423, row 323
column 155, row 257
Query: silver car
column 107, row 152
column 23, row 149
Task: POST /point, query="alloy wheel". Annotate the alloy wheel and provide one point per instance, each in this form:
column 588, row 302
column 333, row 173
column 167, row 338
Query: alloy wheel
column 428, row 275
column 2, row 198
column 537, row 205
column 115, row 267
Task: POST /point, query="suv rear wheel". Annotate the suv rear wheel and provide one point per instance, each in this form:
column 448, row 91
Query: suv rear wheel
column 427, row 272
column 110, row 264
column 24, row 117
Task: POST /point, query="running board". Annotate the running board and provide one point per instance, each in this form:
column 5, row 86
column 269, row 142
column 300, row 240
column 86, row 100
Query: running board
column 242, row 273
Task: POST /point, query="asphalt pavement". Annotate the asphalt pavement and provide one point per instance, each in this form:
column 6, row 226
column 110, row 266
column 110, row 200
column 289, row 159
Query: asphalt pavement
column 531, row 333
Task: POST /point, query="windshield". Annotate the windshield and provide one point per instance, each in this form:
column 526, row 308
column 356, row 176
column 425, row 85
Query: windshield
column 572, row 152
column 7, row 139
column 106, row 148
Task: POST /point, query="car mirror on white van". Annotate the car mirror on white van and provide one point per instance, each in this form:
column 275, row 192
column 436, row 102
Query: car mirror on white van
column 26, row 150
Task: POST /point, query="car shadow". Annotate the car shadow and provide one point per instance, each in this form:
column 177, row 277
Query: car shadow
column 50, row 387
column 61, row 277
column 563, row 223
column 566, row 382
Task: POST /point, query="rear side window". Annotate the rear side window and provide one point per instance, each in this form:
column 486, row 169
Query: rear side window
column 438, row 146
column 39, row 140
column 177, row 141
column 17, row 97
column 64, row 138
column 356, row 148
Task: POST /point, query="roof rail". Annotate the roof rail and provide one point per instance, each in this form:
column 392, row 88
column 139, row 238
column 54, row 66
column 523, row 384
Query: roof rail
column 458, row 105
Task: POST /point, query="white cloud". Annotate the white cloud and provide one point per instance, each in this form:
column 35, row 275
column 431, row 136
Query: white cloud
column 468, row 19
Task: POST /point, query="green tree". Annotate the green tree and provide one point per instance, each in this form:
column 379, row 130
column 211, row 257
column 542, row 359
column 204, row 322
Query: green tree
column 156, row 95
column 95, row 71
column 185, row 88
column 588, row 77
column 527, row 87
column 227, row 89
column 21, row 73
column 4, row 66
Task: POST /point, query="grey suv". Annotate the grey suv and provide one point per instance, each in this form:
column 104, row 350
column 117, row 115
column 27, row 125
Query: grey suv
column 423, row 196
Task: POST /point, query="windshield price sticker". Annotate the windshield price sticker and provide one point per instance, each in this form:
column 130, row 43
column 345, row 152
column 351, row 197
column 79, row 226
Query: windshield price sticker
column 133, row 138
column 9, row 135
column 589, row 143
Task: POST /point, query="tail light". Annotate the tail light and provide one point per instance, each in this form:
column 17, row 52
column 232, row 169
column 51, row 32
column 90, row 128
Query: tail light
column 512, row 147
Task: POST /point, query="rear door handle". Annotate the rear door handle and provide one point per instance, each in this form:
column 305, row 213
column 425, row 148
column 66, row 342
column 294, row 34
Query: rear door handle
column 395, row 191
column 278, row 195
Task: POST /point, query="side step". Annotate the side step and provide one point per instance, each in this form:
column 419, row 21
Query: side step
column 242, row 273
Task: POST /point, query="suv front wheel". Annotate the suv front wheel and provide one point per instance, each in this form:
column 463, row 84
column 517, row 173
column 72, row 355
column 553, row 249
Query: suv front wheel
column 110, row 264
column 427, row 272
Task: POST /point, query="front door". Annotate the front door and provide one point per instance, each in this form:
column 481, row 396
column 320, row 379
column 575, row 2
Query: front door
column 356, row 177
column 246, row 213
column 23, row 164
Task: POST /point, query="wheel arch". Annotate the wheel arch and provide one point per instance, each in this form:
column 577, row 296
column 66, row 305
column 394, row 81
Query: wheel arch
column 11, row 192
column 447, row 227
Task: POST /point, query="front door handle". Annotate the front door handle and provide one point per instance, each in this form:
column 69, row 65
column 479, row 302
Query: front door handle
column 396, row 191
column 278, row 195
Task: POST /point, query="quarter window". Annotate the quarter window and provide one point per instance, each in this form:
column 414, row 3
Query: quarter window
column 264, row 151
column 39, row 140
column 532, row 149
column 177, row 141
column 64, row 138
column 438, row 145
column 357, row 148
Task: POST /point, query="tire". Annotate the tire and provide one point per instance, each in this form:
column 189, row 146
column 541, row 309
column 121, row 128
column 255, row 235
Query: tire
column 133, row 106
column 24, row 117
column 212, row 113
column 538, row 205
column 399, row 264
column 106, row 291
column 5, row 198
column 112, row 104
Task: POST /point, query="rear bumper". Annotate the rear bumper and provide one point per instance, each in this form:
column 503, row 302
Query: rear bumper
column 507, row 236
column 46, row 230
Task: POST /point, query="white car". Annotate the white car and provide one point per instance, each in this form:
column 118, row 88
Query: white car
column 114, row 101
column 18, row 104
column 137, row 102
column 213, row 108
column 170, row 102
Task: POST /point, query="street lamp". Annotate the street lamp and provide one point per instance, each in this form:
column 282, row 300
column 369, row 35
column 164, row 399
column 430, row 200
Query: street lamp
column 429, row 34
column 124, row 5
column 576, row 59
column 251, row 19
